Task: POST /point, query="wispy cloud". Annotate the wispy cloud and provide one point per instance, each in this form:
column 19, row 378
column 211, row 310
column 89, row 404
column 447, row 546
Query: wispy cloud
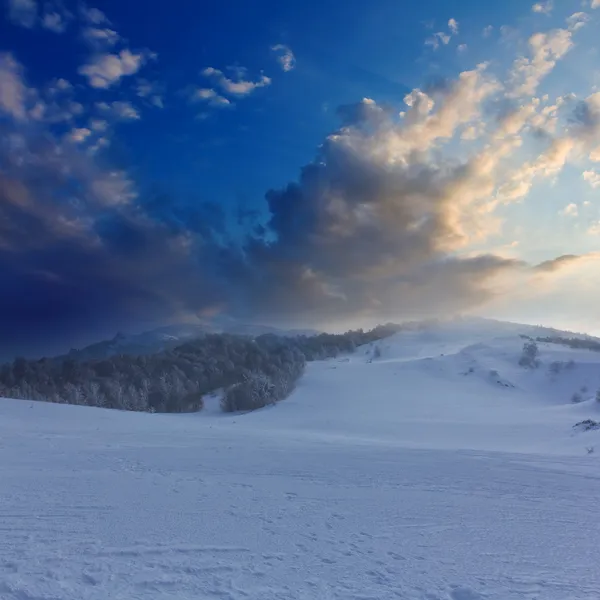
column 438, row 38
column 545, row 50
column 152, row 92
column 285, row 56
column 119, row 109
column 27, row 13
column 211, row 97
column 239, row 85
column 99, row 37
column 441, row 37
column 13, row 91
column 54, row 21
column 92, row 15
column 23, row 12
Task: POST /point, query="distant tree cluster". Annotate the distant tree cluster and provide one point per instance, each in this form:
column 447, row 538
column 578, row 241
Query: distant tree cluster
column 579, row 343
column 251, row 372
column 529, row 357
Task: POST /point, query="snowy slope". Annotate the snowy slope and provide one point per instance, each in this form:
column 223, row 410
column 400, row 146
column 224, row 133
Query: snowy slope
column 414, row 476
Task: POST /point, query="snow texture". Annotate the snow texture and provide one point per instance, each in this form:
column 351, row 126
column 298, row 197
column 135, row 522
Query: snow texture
column 418, row 475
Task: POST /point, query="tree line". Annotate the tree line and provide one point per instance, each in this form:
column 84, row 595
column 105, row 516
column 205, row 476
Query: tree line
column 251, row 372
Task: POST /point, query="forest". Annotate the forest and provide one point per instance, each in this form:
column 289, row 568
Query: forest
column 249, row 372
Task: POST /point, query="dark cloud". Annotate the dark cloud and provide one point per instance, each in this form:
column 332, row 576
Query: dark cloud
column 550, row 266
column 372, row 230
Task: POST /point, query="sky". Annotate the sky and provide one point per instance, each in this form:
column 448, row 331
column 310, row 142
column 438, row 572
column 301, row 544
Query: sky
column 300, row 164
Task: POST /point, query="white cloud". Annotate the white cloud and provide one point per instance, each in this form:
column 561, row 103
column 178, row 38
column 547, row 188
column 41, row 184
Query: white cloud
column 543, row 7
column 79, row 135
column 59, row 86
column 462, row 48
column 546, row 49
column 100, row 36
column 13, row 91
column 211, row 97
column 113, row 188
column 98, row 125
column 487, row 31
column 442, row 37
column 594, row 228
column 571, row 210
column 437, row 38
column 239, row 86
column 119, row 109
column 23, row 12
column 93, row 15
column 152, row 92
column 577, row 20
column 595, row 154
column 592, row 177
column 55, row 22
column 104, row 70
column 548, row 164
column 38, row 112
column 595, row 4
column 285, row 56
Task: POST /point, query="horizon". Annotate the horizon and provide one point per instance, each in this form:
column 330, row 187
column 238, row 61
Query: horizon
column 385, row 164
column 65, row 350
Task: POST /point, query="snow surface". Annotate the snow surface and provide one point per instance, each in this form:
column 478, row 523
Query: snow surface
column 418, row 476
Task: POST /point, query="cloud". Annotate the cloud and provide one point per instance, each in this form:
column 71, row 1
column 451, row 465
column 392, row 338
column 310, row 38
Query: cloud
column 285, row 56
column 211, row 97
column 238, row 86
column 99, row 37
column 23, row 12
column 487, row 31
column 79, row 135
column 151, row 91
column 92, row 15
column 54, row 21
column 26, row 13
column 559, row 262
column 98, row 125
column 571, row 210
column 13, row 91
column 592, row 177
column 121, row 110
column 577, row 20
column 105, row 70
column 595, row 4
column 546, row 49
column 438, row 38
column 594, row 228
column 393, row 218
column 543, row 7
column 443, row 38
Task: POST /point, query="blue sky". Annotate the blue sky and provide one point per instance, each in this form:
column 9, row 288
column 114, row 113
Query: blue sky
column 384, row 154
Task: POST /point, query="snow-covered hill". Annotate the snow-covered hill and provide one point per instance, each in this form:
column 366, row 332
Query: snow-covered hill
column 171, row 336
column 440, row 470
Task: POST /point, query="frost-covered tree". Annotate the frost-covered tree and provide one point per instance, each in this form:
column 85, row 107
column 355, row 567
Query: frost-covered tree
column 529, row 357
